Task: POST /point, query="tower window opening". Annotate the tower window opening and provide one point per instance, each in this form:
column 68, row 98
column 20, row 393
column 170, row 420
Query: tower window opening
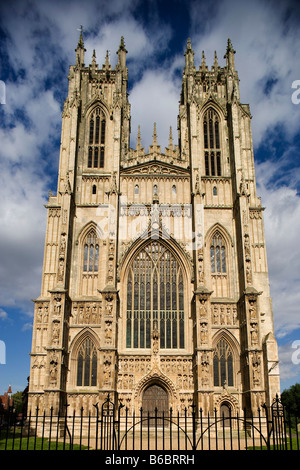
column 97, row 127
column 211, row 138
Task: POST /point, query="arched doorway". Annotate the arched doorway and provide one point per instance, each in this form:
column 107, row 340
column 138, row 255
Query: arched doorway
column 225, row 410
column 155, row 397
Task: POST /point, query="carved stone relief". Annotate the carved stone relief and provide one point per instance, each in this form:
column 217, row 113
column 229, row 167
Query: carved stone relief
column 224, row 314
column 86, row 313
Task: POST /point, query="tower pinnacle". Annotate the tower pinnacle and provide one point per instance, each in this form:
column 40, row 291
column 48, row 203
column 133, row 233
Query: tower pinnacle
column 122, row 53
column 229, row 56
column 80, row 50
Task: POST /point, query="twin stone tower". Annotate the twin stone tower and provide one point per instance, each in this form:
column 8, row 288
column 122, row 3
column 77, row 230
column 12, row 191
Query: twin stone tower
column 155, row 285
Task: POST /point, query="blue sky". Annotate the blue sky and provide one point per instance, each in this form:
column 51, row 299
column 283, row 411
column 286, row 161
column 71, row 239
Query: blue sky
column 37, row 42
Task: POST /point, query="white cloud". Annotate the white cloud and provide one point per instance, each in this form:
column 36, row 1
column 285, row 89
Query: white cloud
column 288, row 362
column 43, row 36
column 3, row 314
column 282, row 228
column 266, row 38
column 154, row 99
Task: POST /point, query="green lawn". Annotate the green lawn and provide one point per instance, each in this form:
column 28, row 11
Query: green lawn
column 33, row 443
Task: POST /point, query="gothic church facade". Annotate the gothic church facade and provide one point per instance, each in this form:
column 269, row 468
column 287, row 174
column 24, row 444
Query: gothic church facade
column 155, row 285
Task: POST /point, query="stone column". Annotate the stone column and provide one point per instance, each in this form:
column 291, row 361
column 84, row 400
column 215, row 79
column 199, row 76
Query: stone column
column 203, row 365
column 108, row 348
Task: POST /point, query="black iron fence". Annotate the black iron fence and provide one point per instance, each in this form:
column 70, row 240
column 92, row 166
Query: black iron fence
column 112, row 428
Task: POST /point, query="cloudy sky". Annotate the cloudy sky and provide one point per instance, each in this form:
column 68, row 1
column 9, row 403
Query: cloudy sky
column 37, row 42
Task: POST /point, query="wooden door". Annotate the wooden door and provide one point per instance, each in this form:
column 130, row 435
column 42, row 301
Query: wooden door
column 155, row 397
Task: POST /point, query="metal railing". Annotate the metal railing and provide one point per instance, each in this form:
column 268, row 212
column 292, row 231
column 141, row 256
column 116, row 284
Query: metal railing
column 113, row 428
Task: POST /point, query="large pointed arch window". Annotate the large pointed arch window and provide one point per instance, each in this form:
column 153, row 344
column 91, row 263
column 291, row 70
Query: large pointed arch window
column 212, row 148
column 223, row 364
column 218, row 254
column 96, row 139
column 86, row 364
column 91, row 252
column 155, row 298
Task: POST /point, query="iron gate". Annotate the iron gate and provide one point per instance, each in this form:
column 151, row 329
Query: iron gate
column 114, row 428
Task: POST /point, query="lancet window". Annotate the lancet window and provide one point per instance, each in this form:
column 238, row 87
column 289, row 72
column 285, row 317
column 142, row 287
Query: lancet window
column 96, row 140
column 91, row 252
column 87, row 364
column 212, row 148
column 155, row 298
column 223, row 364
column 218, row 254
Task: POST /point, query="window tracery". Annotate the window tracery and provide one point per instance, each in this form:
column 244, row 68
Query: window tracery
column 87, row 364
column 97, row 127
column 223, row 364
column 212, row 148
column 91, row 252
column 218, row 254
column 155, row 297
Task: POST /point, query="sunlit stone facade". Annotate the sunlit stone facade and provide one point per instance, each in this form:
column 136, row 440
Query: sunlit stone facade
column 155, row 284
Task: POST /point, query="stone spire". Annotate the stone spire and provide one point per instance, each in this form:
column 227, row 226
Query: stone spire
column 170, row 139
column 154, row 142
column 154, row 147
column 107, row 64
column 139, row 142
column 80, row 50
column 94, row 65
column 203, row 65
column 216, row 65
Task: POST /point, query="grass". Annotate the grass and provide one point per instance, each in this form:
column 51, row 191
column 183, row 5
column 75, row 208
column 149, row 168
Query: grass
column 18, row 442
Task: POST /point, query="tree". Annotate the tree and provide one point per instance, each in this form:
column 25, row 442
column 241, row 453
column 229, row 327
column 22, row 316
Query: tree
column 17, row 401
column 290, row 398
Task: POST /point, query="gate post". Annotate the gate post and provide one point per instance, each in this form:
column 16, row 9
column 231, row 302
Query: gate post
column 269, row 426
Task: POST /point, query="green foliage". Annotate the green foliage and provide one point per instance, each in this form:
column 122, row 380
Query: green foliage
column 18, row 401
column 290, row 398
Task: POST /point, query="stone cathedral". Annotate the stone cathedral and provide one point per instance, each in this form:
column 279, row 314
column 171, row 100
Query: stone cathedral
column 155, row 285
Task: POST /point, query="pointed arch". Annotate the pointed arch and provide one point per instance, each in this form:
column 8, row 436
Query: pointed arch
column 218, row 248
column 86, row 228
column 154, row 277
column 226, row 353
column 84, row 359
column 89, row 241
column 213, row 103
column 89, row 257
column 223, row 231
column 96, row 120
column 165, row 238
column 94, row 103
column 211, row 118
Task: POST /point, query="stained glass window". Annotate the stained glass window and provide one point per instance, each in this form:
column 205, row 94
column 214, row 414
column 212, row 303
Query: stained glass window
column 96, row 139
column 155, row 295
